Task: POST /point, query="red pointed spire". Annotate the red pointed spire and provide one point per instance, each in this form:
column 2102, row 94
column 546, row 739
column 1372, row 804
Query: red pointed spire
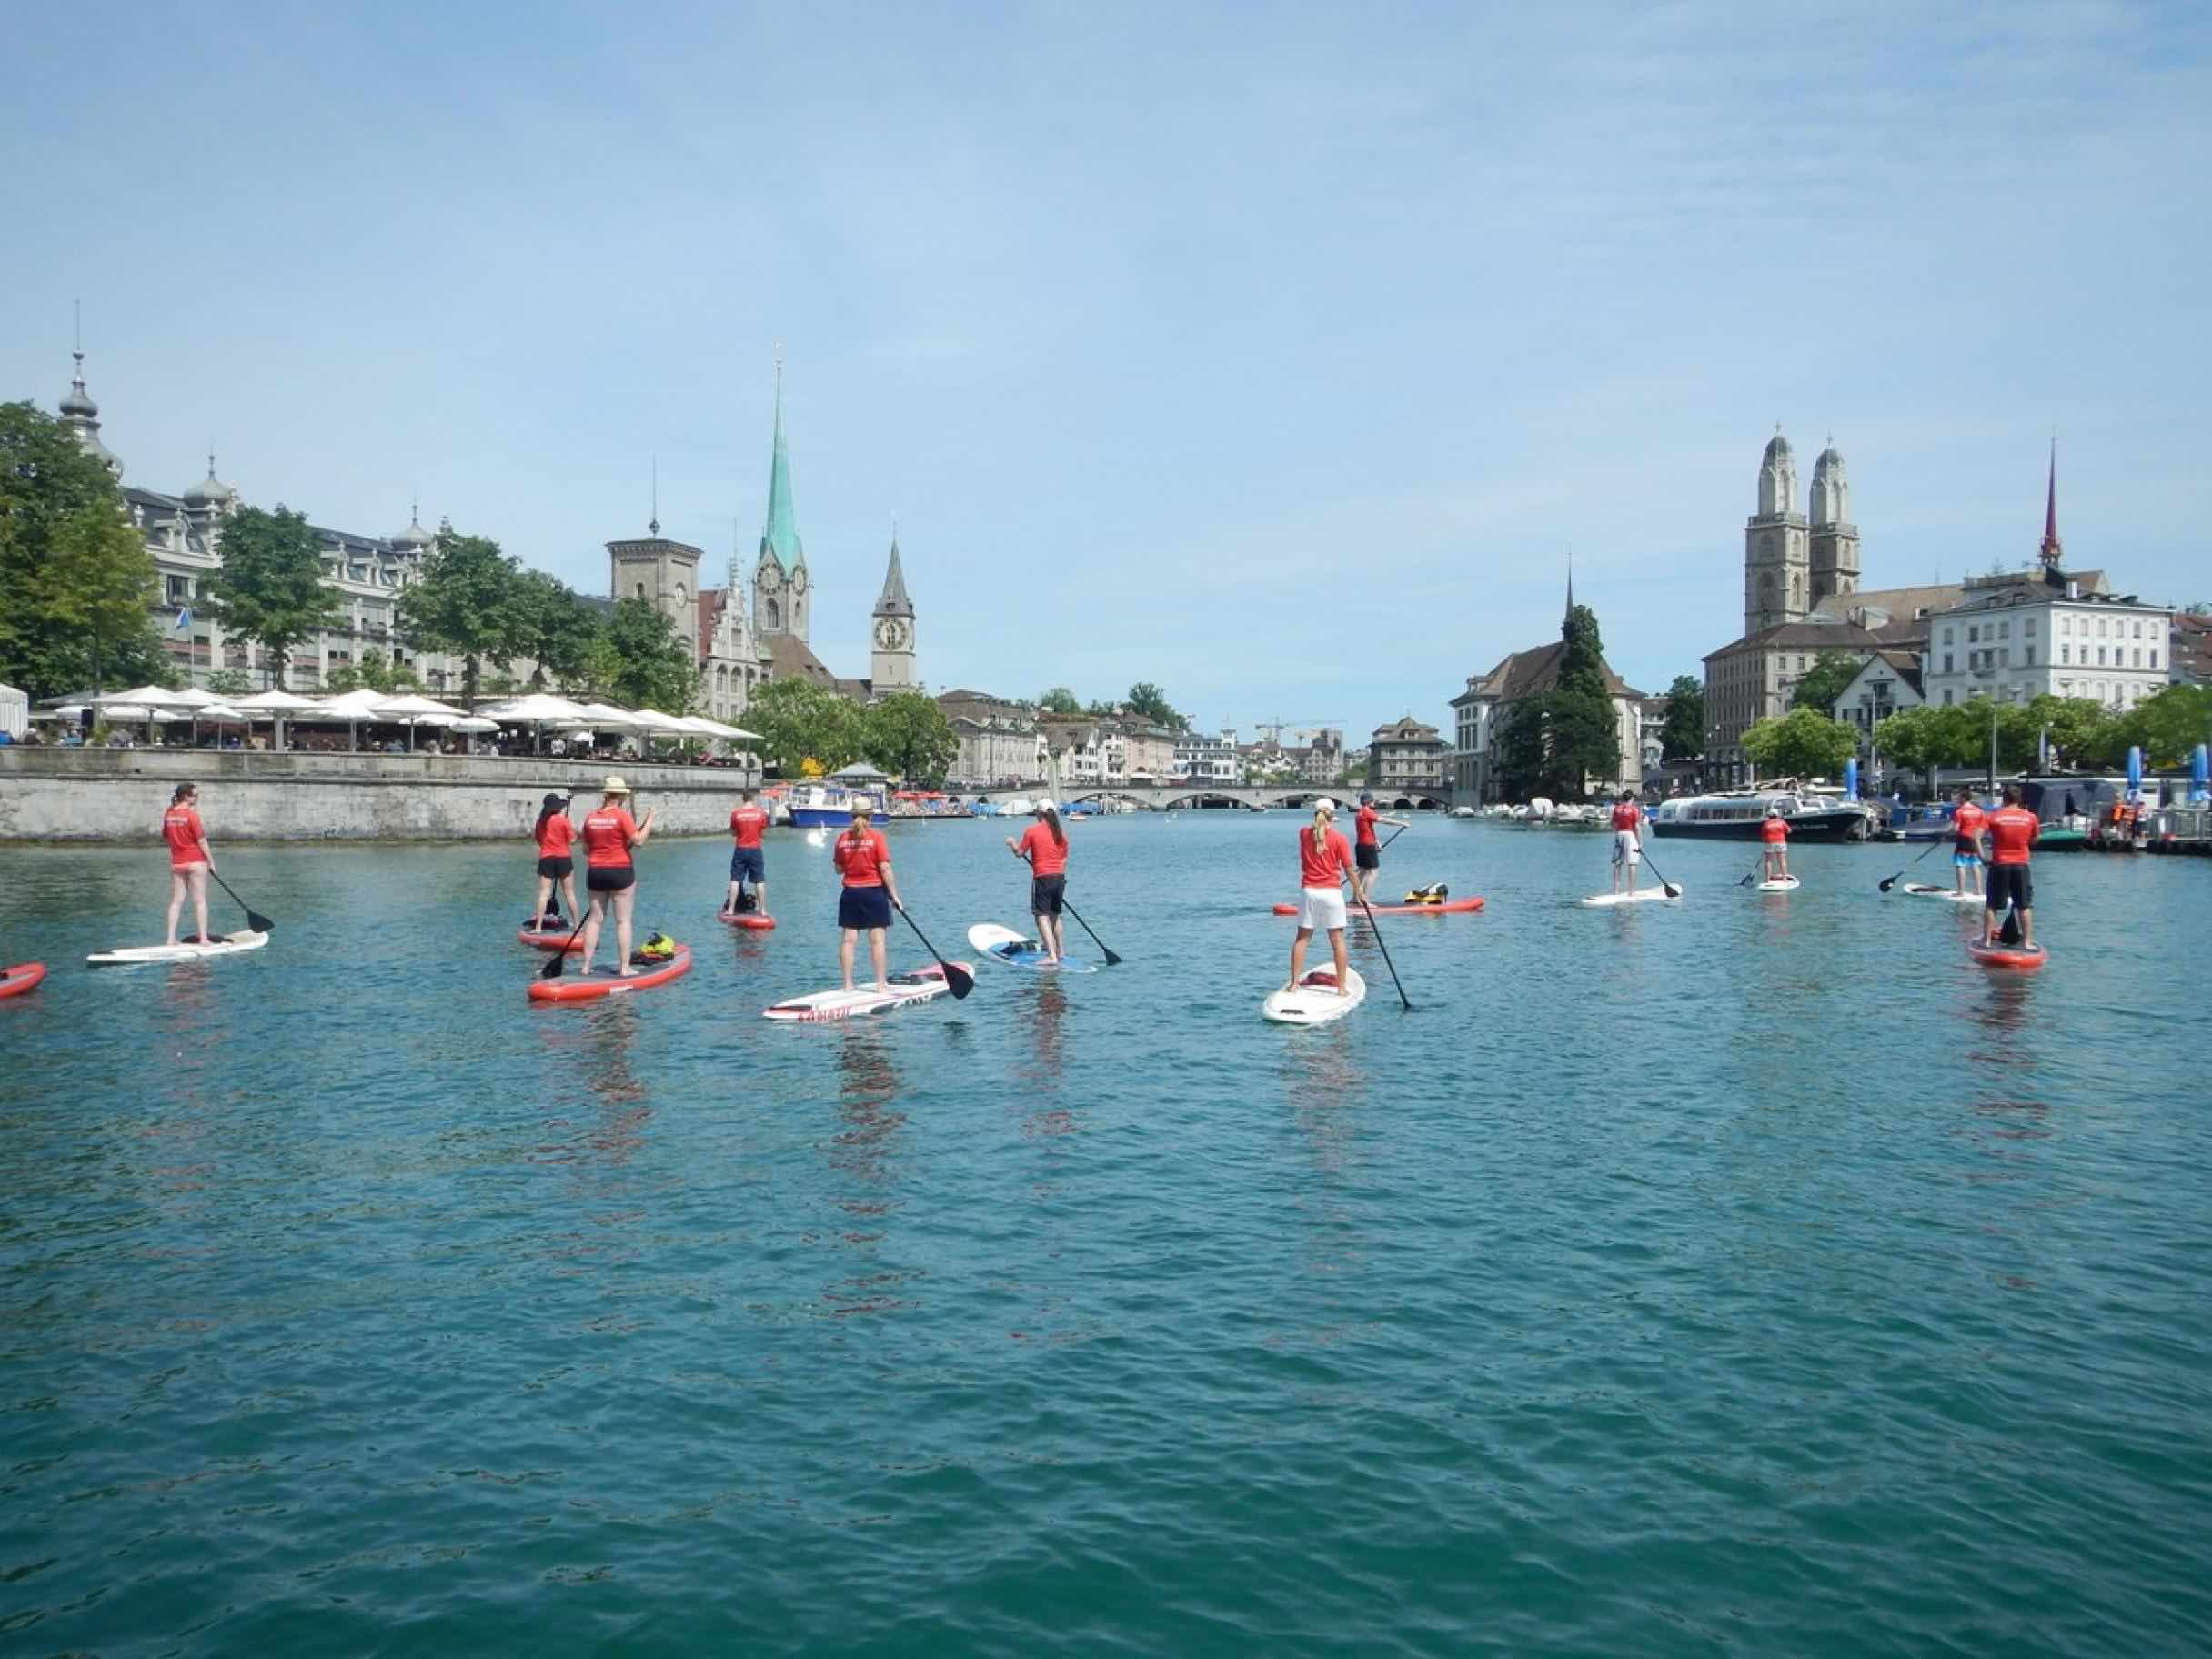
column 2051, row 549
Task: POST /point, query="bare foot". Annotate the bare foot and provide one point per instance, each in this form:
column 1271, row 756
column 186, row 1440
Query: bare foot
column 629, row 973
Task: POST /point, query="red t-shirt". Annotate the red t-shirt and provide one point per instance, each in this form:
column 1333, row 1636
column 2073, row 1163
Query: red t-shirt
column 1364, row 826
column 608, row 833
column 1968, row 821
column 1627, row 815
column 2012, row 829
column 556, row 836
column 862, row 858
column 1047, row 856
column 747, row 823
column 1774, row 831
column 1322, row 866
column 180, row 827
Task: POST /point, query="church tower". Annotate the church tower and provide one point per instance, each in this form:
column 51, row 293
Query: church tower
column 782, row 591
column 891, row 664
column 82, row 416
column 1775, row 561
column 663, row 572
column 1835, row 540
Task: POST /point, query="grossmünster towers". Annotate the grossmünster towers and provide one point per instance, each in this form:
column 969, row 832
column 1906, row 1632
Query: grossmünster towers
column 1792, row 560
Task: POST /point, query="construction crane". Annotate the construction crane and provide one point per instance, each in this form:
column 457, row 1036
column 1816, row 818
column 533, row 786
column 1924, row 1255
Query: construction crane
column 1274, row 727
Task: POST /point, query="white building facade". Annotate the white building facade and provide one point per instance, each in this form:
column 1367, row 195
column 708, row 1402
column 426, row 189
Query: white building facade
column 1206, row 758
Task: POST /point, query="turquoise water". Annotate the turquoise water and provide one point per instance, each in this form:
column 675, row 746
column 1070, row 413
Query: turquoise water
column 1752, row 1276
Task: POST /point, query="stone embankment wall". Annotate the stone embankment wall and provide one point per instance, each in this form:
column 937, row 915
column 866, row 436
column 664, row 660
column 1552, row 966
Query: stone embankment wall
column 119, row 794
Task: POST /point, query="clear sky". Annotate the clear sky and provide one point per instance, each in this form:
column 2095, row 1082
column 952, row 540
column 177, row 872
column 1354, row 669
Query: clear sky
column 1276, row 354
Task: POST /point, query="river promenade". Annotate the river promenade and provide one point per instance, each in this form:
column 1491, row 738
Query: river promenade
column 1754, row 1276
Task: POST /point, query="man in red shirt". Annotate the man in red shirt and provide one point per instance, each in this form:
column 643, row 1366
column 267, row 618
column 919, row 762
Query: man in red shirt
column 2012, row 829
column 748, row 861
column 1627, row 846
column 1366, row 851
column 1966, row 821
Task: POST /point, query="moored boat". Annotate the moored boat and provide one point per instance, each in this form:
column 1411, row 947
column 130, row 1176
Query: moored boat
column 1737, row 815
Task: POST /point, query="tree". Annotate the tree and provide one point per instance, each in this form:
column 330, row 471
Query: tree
column 2170, row 723
column 800, row 721
column 1682, row 737
column 76, row 582
column 906, row 734
column 1824, row 682
column 1151, row 703
column 2081, row 731
column 1803, row 743
column 1058, row 700
column 469, row 603
column 378, row 672
column 269, row 586
column 1913, row 739
column 230, row 682
column 659, row 671
column 561, row 627
column 1557, row 742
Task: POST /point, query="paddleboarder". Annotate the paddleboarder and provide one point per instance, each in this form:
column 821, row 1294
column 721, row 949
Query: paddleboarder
column 1366, row 851
column 1627, row 844
column 1045, row 845
column 556, row 838
column 1774, row 844
column 610, row 833
column 865, row 903
column 190, row 862
column 2012, row 829
column 1324, row 861
column 1966, row 821
column 747, row 861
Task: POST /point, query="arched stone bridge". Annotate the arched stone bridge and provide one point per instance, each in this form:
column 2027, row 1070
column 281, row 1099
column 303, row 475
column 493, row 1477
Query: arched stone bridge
column 1160, row 797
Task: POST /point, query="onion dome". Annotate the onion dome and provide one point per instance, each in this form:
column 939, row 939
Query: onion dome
column 414, row 538
column 210, row 491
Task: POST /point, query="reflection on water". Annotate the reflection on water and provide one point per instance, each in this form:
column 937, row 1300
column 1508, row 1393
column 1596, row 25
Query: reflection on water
column 865, row 1151
column 599, row 1052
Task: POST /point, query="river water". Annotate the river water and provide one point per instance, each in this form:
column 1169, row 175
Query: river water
column 1755, row 1275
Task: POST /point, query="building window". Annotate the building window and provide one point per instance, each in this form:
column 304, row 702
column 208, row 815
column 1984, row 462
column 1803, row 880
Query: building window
column 2029, row 627
column 2100, row 628
column 1946, row 636
column 2030, row 658
column 1947, row 696
column 2154, row 655
column 180, row 589
column 1973, row 636
column 2100, row 656
column 2065, row 653
column 1946, row 669
column 2066, row 623
column 2004, row 630
column 2137, row 661
column 2139, row 630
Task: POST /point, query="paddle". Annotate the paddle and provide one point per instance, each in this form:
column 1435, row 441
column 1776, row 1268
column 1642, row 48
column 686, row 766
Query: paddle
column 1755, row 868
column 1112, row 959
column 957, row 978
column 1666, row 885
column 1386, row 962
column 1931, row 847
column 253, row 919
column 559, row 963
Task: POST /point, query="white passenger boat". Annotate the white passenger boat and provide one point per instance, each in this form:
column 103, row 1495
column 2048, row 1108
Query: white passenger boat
column 1736, row 815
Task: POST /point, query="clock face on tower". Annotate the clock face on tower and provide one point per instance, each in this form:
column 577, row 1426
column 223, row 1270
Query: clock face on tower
column 798, row 579
column 891, row 635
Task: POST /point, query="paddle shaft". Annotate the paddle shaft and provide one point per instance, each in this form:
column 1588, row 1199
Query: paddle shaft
column 254, row 920
column 1386, row 962
column 1924, row 853
column 1666, row 885
column 1112, row 959
column 958, row 979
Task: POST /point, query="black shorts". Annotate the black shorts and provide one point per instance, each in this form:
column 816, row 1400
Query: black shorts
column 1367, row 855
column 609, row 878
column 556, row 868
column 748, row 862
column 2008, row 885
column 863, row 909
column 1047, row 894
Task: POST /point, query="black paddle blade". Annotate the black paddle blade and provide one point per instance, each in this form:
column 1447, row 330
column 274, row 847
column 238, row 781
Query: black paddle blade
column 961, row 980
column 559, row 964
column 1112, row 959
column 1891, row 883
column 2009, row 934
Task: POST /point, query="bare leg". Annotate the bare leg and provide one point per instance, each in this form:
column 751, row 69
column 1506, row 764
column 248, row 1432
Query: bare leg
column 729, row 899
column 1056, row 941
column 1343, row 968
column 623, row 902
column 877, row 947
column 567, row 884
column 592, row 924
column 844, row 955
column 1298, row 956
column 199, row 902
column 544, row 892
column 177, row 900
column 760, row 898
column 1632, row 878
column 2027, row 929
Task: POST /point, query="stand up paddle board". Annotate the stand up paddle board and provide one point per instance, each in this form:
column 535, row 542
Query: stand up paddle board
column 1781, row 884
column 748, row 919
column 228, row 944
column 1921, row 890
column 2007, row 956
column 924, row 984
column 1313, row 1000
column 1449, row 906
column 606, row 983
column 552, row 939
column 22, row 977
column 1643, row 895
column 1004, row 945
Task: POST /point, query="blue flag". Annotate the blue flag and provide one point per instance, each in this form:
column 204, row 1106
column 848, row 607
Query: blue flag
column 184, row 617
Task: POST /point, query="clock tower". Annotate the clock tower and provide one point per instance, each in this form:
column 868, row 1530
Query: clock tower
column 783, row 597
column 890, row 663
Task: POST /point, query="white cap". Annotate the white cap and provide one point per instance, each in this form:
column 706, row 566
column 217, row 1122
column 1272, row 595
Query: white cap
column 1326, row 805
column 1043, row 806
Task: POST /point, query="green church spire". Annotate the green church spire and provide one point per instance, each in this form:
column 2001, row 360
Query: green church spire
column 780, row 538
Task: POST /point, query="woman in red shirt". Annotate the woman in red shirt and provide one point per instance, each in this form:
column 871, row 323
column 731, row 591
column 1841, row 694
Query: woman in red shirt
column 609, row 833
column 1045, row 846
column 555, row 835
column 869, row 894
column 1774, row 848
column 190, row 862
column 1324, row 860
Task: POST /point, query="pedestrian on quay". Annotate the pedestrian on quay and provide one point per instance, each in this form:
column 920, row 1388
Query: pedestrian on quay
column 190, row 862
column 1324, row 863
column 869, row 894
column 609, row 834
column 1627, row 843
column 2012, row 831
column 1966, row 821
column 556, row 838
column 747, row 858
column 1044, row 844
column 1366, row 851
column 1774, row 844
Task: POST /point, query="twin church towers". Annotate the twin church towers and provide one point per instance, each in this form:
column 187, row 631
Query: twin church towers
column 1793, row 560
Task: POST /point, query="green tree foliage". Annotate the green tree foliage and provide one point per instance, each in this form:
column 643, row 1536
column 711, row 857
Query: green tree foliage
column 1824, row 682
column 1559, row 742
column 269, row 588
column 1151, row 703
column 800, row 721
column 1913, row 739
column 561, row 628
column 76, row 582
column 1803, row 743
column 230, row 682
column 2169, row 724
column 905, row 733
column 469, row 603
column 659, row 669
column 1058, row 700
column 378, row 672
column 1682, row 737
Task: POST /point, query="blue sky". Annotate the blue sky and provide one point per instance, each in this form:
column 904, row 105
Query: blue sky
column 1276, row 355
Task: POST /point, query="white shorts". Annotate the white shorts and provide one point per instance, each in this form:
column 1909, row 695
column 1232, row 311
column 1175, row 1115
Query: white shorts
column 1625, row 848
column 1323, row 908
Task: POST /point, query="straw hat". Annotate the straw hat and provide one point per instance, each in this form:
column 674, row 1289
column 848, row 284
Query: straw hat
column 614, row 785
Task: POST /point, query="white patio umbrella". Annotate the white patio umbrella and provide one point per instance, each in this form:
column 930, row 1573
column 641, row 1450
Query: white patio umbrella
column 416, row 710
column 603, row 716
column 535, row 712
column 272, row 706
column 144, row 696
column 353, row 708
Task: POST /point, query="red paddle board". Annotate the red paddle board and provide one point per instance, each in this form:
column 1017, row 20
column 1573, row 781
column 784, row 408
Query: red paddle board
column 2007, row 956
column 605, row 984
column 1448, row 908
column 22, row 977
column 552, row 941
column 748, row 919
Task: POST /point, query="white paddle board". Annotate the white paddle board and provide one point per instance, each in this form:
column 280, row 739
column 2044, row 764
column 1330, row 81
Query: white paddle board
column 1313, row 1000
column 1784, row 884
column 924, row 984
column 1921, row 890
column 1643, row 895
column 1004, row 945
column 229, row 945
